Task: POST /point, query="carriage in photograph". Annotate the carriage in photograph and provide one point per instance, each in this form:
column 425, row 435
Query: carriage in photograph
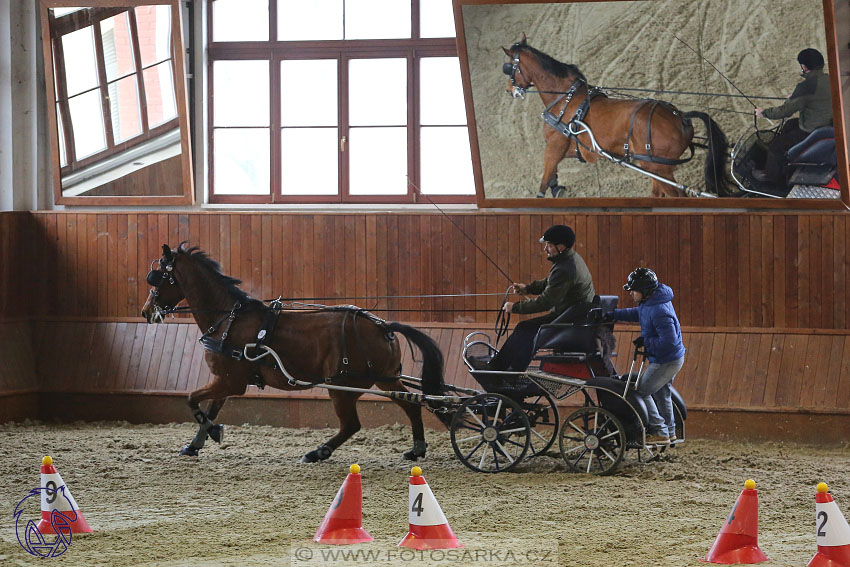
column 570, row 358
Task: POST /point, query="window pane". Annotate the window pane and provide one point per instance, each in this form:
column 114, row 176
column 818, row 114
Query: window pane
column 317, row 19
column 378, row 161
column 377, row 92
column 240, row 93
column 441, row 92
column 446, row 161
column 436, row 18
column 241, row 161
column 377, row 19
column 117, row 46
column 87, row 120
column 240, row 20
column 80, row 64
column 63, row 161
column 154, row 25
column 159, row 94
column 309, row 161
column 312, row 106
column 124, row 108
column 59, row 12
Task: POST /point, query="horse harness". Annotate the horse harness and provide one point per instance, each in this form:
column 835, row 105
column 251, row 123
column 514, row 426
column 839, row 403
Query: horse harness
column 567, row 129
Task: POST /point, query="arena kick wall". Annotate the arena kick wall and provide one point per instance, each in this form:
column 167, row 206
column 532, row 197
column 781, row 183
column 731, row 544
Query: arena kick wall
column 762, row 299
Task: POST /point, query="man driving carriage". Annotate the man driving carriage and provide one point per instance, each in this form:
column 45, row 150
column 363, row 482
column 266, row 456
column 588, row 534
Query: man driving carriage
column 812, row 99
column 568, row 283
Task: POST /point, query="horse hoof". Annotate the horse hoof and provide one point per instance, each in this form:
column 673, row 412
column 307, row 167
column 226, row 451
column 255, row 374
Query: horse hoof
column 189, row 451
column 216, row 433
column 321, row 453
column 412, row 455
column 418, row 450
column 558, row 191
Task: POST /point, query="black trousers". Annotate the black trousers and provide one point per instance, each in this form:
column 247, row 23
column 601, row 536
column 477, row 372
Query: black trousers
column 790, row 135
column 518, row 349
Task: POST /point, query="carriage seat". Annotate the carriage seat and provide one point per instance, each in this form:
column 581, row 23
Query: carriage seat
column 817, row 148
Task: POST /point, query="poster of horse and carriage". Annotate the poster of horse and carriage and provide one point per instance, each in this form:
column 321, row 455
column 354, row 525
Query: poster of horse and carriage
column 637, row 99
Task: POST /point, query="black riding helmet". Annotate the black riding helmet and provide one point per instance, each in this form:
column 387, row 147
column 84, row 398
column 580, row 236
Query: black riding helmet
column 559, row 234
column 811, row 58
column 643, row 280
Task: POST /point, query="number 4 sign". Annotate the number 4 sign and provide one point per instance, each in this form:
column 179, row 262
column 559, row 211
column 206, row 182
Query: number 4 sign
column 429, row 528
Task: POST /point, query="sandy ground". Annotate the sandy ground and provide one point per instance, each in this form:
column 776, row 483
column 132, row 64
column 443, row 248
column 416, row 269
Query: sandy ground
column 631, row 44
column 249, row 502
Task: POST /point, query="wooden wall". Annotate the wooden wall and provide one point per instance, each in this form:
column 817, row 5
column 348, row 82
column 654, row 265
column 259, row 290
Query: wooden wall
column 761, row 296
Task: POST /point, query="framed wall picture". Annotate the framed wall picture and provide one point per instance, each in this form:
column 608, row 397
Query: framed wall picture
column 652, row 103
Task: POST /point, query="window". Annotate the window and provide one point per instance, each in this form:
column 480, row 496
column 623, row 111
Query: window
column 112, row 91
column 336, row 101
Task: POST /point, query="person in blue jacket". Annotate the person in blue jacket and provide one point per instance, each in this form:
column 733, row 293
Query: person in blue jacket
column 661, row 338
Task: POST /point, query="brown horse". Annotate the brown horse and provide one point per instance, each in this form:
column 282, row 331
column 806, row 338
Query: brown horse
column 342, row 346
column 653, row 133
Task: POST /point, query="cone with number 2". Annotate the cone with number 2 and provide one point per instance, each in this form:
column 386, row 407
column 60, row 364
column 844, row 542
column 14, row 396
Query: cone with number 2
column 737, row 541
column 429, row 528
column 833, row 533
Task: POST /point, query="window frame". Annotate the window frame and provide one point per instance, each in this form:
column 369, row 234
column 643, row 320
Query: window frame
column 274, row 51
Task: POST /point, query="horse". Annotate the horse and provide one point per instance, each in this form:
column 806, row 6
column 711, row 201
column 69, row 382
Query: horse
column 658, row 128
column 341, row 345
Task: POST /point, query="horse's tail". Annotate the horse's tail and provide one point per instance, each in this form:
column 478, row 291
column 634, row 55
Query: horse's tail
column 432, row 357
column 718, row 150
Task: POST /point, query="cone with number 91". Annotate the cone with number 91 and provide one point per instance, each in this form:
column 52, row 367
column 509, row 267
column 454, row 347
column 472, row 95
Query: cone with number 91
column 833, row 533
column 429, row 528
column 737, row 541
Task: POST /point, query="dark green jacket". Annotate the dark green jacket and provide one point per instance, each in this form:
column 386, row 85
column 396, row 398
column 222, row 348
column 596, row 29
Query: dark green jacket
column 811, row 98
column 568, row 283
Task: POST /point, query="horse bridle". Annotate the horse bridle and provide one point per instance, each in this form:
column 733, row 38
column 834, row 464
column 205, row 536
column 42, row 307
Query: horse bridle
column 511, row 69
column 155, row 279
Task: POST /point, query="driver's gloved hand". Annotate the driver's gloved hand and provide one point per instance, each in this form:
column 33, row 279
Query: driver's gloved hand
column 595, row 316
column 638, row 342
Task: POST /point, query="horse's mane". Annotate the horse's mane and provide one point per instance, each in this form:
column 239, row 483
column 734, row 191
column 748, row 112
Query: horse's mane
column 549, row 63
column 214, row 268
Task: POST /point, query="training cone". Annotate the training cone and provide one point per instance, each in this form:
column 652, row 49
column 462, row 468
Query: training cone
column 737, row 541
column 832, row 531
column 343, row 524
column 429, row 528
column 58, row 498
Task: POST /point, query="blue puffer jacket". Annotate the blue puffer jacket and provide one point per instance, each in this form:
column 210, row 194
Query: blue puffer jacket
column 659, row 326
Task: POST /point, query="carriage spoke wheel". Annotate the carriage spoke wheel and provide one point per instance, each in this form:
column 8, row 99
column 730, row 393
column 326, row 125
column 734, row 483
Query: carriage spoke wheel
column 543, row 417
column 490, row 433
column 592, row 440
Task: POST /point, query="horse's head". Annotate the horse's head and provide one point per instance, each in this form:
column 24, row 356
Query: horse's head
column 165, row 291
column 518, row 82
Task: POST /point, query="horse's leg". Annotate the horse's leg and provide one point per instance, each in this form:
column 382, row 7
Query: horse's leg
column 661, row 189
column 345, row 406
column 218, row 390
column 414, row 414
column 556, row 148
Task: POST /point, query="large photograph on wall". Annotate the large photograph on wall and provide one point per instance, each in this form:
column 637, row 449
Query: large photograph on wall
column 634, row 102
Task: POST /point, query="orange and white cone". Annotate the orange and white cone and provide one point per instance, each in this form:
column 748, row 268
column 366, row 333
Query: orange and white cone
column 737, row 541
column 343, row 524
column 56, row 496
column 429, row 528
column 833, row 533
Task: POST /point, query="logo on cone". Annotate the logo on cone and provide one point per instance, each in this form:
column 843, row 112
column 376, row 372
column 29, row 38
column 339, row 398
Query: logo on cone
column 429, row 528
column 737, row 541
column 343, row 524
column 69, row 515
column 833, row 533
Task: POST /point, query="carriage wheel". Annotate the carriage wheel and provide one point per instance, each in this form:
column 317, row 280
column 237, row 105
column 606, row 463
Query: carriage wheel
column 490, row 433
column 680, row 424
column 592, row 440
column 543, row 417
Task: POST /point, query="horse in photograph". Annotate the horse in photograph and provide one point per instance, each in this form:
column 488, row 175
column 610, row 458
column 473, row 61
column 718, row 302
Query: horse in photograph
column 340, row 345
column 653, row 133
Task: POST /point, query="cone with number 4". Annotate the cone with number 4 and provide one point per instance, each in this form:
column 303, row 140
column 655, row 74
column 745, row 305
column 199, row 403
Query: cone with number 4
column 737, row 541
column 343, row 524
column 429, row 528
column 833, row 533
column 55, row 496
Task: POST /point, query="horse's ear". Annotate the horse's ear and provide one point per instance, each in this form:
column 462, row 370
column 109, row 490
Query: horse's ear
column 507, row 52
column 166, row 252
column 524, row 39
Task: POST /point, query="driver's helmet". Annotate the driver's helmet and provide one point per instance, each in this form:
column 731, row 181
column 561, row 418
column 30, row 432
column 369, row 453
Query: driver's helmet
column 811, row 58
column 559, row 234
column 643, row 280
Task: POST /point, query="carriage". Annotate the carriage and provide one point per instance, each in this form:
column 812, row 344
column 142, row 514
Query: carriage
column 517, row 415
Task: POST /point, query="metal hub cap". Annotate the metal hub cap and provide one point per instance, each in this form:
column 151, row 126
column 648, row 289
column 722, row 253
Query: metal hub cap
column 490, row 434
column 591, row 442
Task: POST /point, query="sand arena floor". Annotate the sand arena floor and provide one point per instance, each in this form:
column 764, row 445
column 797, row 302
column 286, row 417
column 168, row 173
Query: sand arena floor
column 249, row 502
